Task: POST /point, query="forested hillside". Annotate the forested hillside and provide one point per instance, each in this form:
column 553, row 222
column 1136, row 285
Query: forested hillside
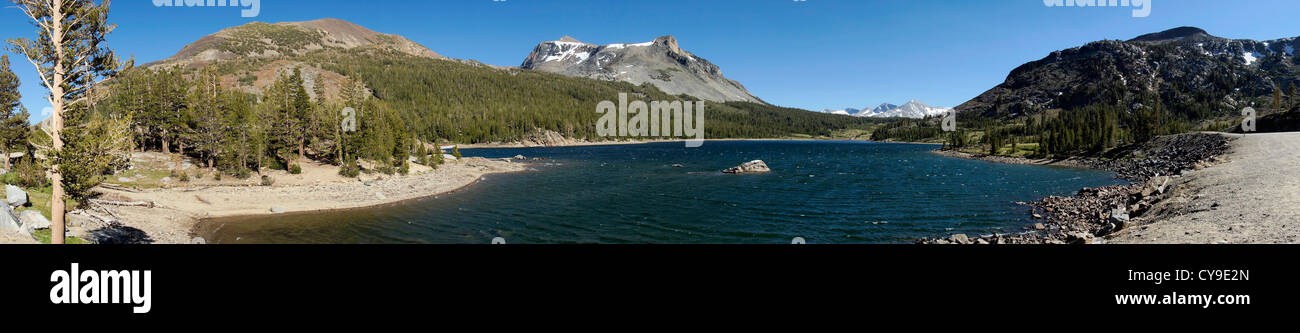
column 267, row 102
column 1112, row 93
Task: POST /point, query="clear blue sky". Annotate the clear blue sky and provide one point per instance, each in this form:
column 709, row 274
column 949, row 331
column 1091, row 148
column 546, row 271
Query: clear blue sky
column 812, row 54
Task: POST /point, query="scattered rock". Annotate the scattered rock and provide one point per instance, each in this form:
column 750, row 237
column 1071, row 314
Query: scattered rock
column 1163, row 182
column 1095, row 212
column 8, row 221
column 754, row 166
column 15, row 196
column 380, row 195
column 960, row 239
column 1081, row 238
column 1166, row 155
column 77, row 220
column 276, row 210
column 677, row 165
column 166, row 180
column 198, row 240
column 1118, row 217
column 520, row 157
column 33, row 220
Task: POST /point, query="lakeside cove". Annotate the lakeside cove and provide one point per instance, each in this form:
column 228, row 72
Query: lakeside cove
column 1151, row 202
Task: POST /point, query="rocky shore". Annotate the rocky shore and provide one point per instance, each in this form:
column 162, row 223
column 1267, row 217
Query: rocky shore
column 1154, row 167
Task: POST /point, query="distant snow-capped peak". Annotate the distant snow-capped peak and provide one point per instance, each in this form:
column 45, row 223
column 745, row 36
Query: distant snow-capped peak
column 912, row 109
column 845, row 112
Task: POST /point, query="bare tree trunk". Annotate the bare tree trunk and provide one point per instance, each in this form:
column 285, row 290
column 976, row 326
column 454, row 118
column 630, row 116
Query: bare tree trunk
column 243, row 151
column 166, row 144
column 57, row 212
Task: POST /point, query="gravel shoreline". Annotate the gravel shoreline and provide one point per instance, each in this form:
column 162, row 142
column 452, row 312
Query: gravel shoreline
column 1093, row 213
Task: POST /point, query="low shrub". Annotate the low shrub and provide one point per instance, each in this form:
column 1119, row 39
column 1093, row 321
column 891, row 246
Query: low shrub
column 350, row 169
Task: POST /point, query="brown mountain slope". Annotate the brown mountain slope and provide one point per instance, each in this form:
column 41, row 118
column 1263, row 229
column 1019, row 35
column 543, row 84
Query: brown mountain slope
column 259, row 39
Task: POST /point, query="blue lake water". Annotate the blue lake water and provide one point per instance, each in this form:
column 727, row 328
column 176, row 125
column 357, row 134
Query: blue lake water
column 823, row 191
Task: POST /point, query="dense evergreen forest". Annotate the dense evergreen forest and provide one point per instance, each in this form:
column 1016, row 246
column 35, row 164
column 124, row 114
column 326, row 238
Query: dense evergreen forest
column 472, row 104
column 1084, row 130
column 1108, row 94
column 403, row 105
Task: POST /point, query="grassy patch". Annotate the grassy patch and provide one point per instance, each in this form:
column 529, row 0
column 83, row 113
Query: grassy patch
column 853, row 133
column 1025, row 149
column 141, row 177
column 39, row 198
column 43, row 236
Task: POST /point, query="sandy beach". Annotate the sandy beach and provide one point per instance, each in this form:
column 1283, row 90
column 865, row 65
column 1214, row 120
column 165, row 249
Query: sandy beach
column 318, row 188
column 582, row 143
column 1072, row 162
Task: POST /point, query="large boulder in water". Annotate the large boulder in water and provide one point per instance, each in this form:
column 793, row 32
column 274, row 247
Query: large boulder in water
column 749, row 167
column 15, row 196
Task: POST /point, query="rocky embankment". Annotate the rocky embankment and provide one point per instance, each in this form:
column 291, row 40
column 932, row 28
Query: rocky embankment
column 1153, row 167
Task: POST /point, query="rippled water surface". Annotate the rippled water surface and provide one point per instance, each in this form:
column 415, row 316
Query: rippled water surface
column 823, row 191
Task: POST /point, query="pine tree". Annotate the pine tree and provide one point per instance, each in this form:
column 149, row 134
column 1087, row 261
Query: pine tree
column 167, row 114
column 299, row 111
column 132, row 98
column 13, row 125
column 1292, row 97
column 290, row 107
column 354, row 96
column 1277, row 98
column 237, row 142
column 70, row 56
column 207, row 107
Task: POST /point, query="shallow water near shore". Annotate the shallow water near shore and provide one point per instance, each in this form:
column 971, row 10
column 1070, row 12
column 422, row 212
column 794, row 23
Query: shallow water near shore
column 823, row 191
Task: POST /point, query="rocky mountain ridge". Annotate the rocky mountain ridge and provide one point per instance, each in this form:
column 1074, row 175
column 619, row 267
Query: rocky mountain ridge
column 661, row 62
column 1191, row 72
